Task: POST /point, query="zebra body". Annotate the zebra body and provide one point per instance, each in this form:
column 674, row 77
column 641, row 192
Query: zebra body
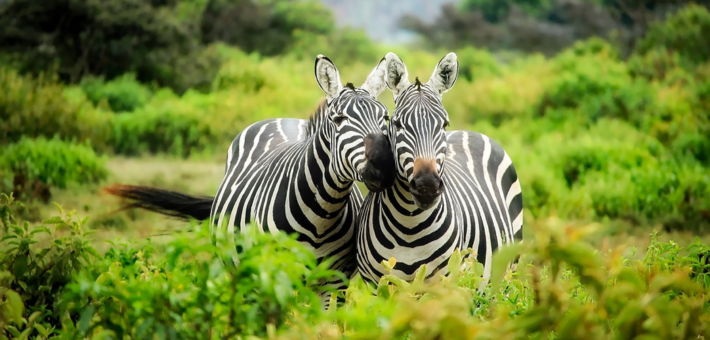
column 296, row 176
column 455, row 189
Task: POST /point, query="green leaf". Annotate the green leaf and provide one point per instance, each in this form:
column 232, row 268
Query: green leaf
column 13, row 331
column 25, row 334
column 41, row 229
column 421, row 274
column 41, row 329
column 17, row 308
column 7, row 237
column 455, row 262
column 85, row 319
column 19, row 267
column 499, row 265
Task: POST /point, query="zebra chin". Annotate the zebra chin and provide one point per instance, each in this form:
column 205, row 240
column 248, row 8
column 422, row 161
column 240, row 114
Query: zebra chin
column 426, row 203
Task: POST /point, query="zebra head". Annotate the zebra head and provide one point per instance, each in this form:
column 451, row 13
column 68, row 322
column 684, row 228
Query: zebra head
column 360, row 149
column 418, row 127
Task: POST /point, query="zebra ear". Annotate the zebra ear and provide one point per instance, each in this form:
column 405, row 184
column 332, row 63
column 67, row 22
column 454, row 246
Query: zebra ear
column 328, row 77
column 445, row 74
column 396, row 75
column 375, row 82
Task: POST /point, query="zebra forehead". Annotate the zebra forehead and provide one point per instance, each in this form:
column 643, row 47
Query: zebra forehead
column 359, row 103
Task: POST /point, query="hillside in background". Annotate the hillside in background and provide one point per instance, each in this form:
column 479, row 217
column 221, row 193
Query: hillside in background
column 379, row 18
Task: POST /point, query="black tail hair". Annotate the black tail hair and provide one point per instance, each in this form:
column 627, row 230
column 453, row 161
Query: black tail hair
column 165, row 202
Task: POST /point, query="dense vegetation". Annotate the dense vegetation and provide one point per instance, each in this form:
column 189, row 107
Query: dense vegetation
column 541, row 26
column 604, row 134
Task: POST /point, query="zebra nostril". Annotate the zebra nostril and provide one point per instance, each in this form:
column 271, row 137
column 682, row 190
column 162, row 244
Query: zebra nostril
column 413, row 184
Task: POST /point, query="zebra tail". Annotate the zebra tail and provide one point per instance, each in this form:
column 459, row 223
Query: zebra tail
column 165, row 202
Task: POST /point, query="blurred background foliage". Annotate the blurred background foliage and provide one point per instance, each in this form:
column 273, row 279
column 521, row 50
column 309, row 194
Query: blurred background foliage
column 603, row 105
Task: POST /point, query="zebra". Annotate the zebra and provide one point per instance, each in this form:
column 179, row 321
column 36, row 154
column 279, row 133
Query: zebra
column 453, row 189
column 297, row 176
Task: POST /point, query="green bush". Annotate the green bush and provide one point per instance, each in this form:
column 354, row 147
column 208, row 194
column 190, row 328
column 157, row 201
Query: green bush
column 123, row 94
column 67, row 289
column 588, row 82
column 50, row 162
column 564, row 288
column 161, row 127
column 37, row 264
column 686, row 33
column 37, row 106
column 188, row 292
column 241, row 71
column 352, row 46
column 475, row 64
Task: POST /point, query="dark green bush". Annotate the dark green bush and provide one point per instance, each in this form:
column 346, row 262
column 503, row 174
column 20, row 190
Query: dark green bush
column 50, row 162
column 123, row 94
column 686, row 33
column 37, row 106
column 352, row 46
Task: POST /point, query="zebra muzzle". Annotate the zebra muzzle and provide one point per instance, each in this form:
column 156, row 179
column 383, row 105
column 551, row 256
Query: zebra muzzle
column 426, row 185
column 378, row 173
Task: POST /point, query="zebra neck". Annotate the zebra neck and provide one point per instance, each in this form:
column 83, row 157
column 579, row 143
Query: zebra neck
column 324, row 191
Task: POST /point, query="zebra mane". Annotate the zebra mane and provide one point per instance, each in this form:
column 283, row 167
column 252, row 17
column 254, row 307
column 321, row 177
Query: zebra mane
column 316, row 119
column 350, row 86
column 418, row 84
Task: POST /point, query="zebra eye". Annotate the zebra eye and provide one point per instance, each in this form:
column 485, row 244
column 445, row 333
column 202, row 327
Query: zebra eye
column 397, row 124
column 339, row 119
column 446, row 124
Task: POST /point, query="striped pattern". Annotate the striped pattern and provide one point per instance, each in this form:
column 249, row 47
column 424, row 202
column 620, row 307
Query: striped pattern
column 481, row 203
column 296, row 176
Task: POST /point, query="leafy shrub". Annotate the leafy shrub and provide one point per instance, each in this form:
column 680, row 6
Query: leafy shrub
column 563, row 288
column 673, row 195
column 586, row 80
column 161, row 127
column 37, row 106
column 123, row 94
column 686, row 33
column 266, row 27
column 241, row 71
column 352, row 46
column 475, row 64
column 51, row 162
column 38, row 270
column 188, row 292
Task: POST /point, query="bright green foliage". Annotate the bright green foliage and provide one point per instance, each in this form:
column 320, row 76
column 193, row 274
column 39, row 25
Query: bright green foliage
column 188, row 293
column 37, row 106
column 35, row 266
column 123, row 94
column 475, row 64
column 165, row 126
column 563, row 289
column 51, row 162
